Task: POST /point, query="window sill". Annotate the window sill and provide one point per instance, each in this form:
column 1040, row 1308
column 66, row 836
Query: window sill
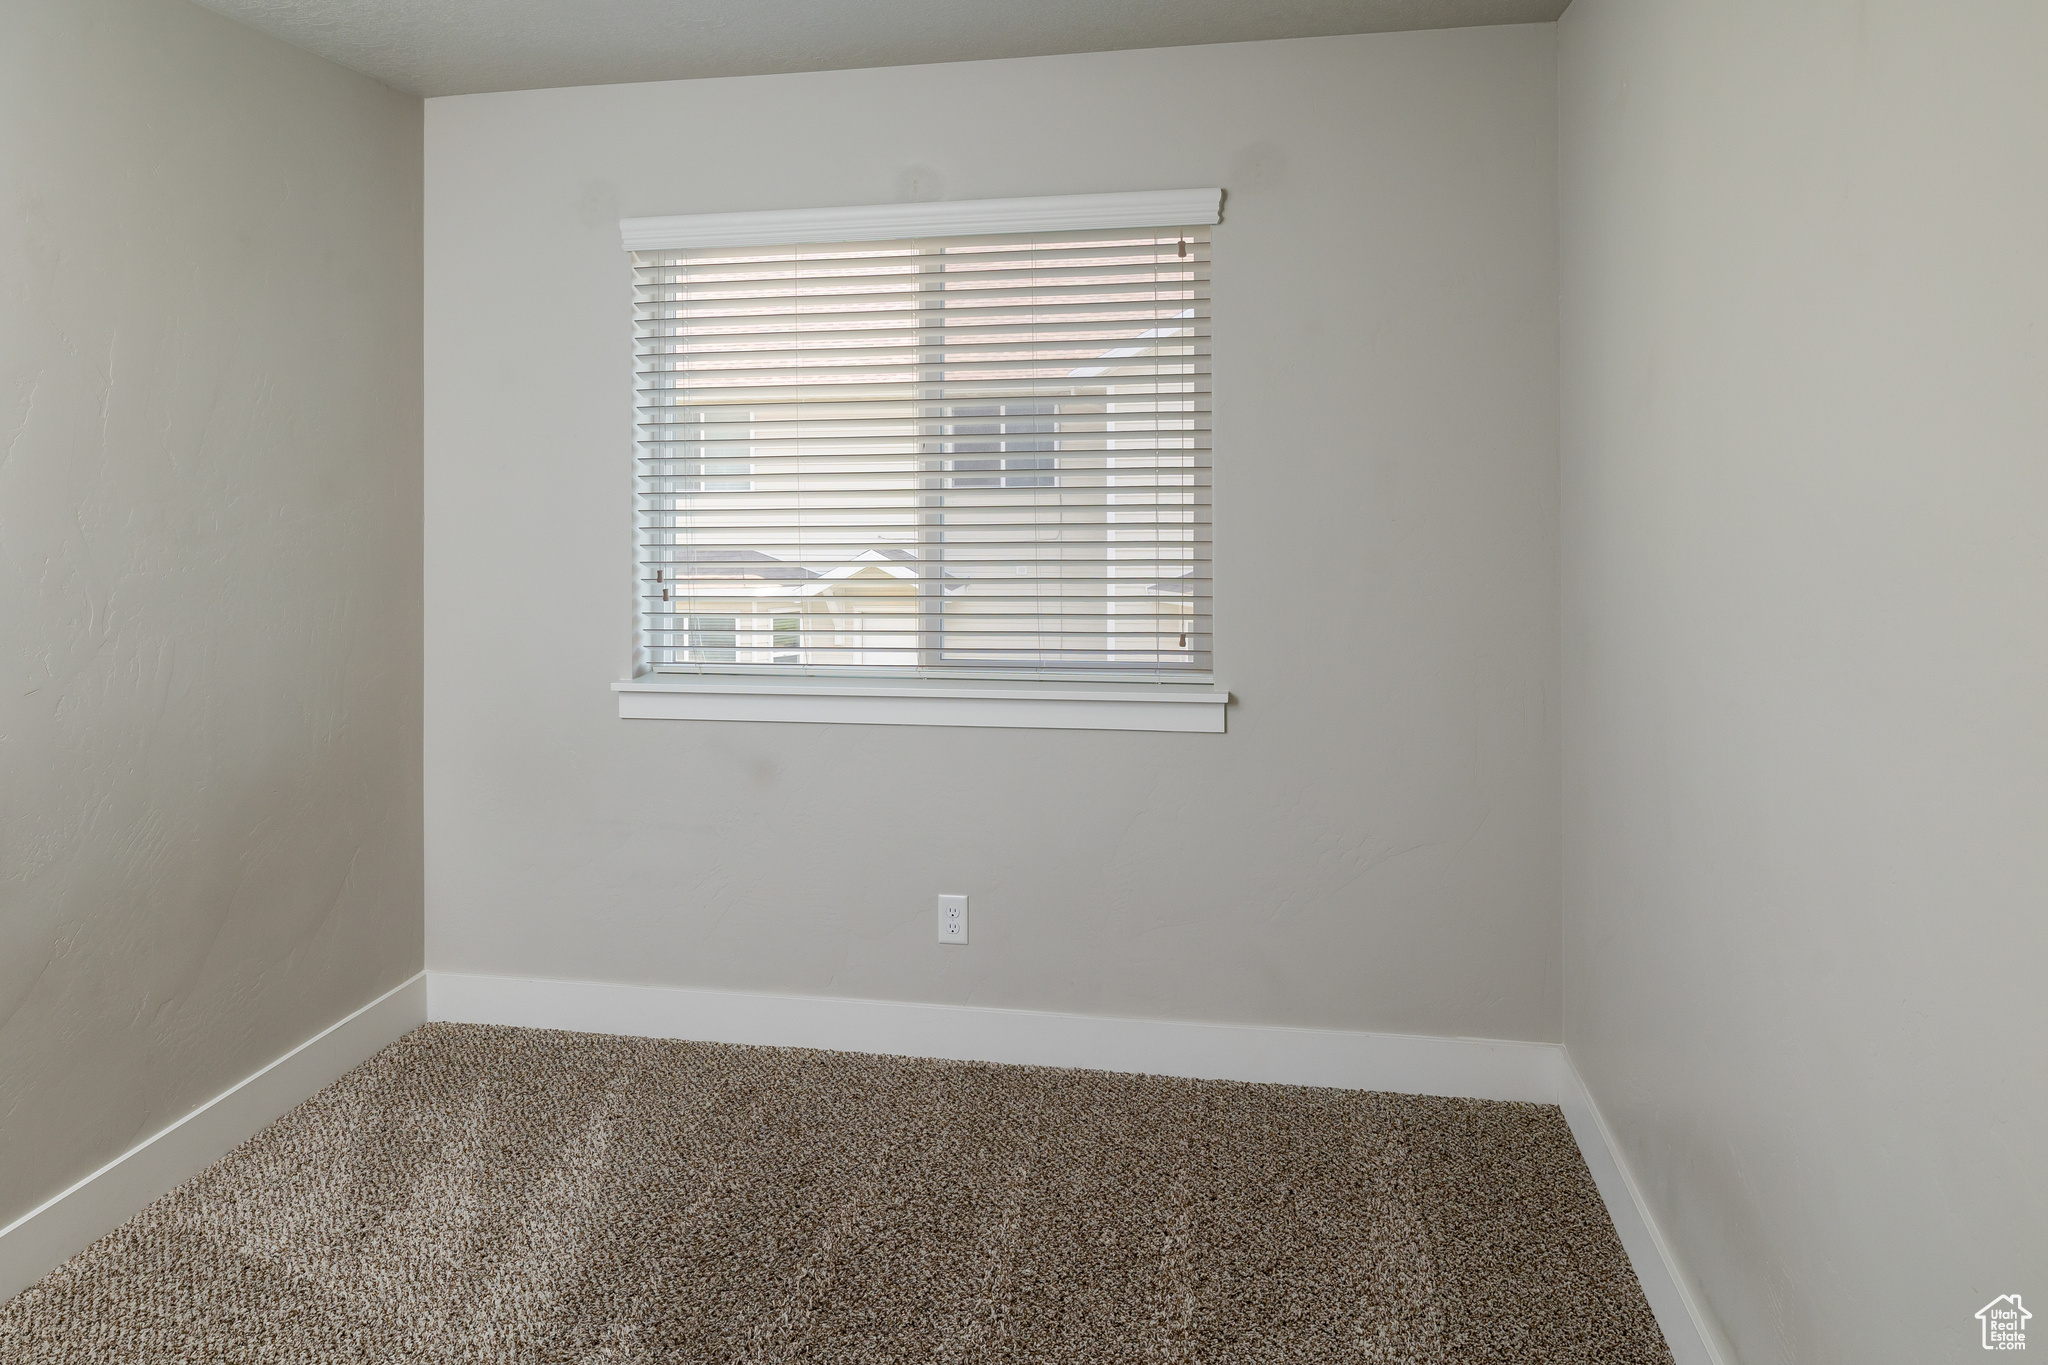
column 1003, row 705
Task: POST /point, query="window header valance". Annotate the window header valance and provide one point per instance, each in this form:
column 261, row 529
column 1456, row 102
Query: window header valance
column 954, row 218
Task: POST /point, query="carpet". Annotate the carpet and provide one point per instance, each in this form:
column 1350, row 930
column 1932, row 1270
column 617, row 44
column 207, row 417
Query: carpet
column 485, row 1194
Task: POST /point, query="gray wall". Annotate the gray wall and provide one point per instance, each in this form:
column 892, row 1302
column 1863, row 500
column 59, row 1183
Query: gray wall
column 209, row 565
column 1806, row 650
column 1373, row 845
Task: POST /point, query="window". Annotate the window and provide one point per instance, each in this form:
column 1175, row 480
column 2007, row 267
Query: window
column 928, row 453
column 787, row 640
column 711, row 639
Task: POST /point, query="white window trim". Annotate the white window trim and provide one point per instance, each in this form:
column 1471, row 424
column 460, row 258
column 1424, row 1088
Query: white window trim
column 1197, row 709
column 951, row 218
column 925, row 701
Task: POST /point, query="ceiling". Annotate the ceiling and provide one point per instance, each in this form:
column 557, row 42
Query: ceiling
column 460, row 47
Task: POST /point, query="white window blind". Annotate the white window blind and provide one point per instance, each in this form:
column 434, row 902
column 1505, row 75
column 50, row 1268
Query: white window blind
column 981, row 455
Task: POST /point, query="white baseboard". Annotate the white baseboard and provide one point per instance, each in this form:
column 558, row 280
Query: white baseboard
column 61, row 1227
column 1477, row 1068
column 1687, row 1331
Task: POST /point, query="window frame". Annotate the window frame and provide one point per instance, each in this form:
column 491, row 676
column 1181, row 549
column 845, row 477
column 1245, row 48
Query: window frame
column 967, row 697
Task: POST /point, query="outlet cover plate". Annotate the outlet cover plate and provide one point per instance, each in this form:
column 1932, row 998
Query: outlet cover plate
column 953, row 919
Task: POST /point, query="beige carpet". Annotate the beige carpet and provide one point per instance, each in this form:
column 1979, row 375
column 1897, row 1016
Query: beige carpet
column 496, row 1194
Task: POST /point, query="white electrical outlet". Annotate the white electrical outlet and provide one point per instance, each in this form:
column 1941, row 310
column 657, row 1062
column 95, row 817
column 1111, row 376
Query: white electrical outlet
column 952, row 919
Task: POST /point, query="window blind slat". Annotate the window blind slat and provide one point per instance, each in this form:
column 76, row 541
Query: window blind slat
column 1142, row 313
column 980, row 454
column 907, row 272
column 878, row 329
column 803, row 446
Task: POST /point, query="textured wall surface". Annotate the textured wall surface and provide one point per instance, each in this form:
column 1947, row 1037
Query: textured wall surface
column 1374, row 843
column 209, row 565
column 1806, row 651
